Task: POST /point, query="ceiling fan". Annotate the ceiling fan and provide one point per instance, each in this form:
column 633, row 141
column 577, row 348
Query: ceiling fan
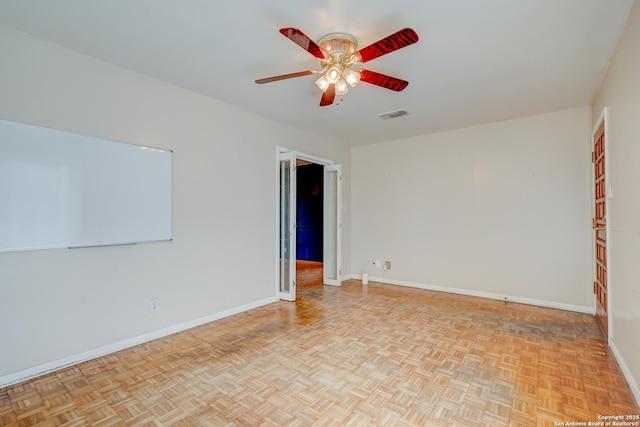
column 337, row 53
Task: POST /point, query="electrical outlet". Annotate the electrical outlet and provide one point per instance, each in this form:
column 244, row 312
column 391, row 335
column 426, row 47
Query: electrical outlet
column 387, row 265
column 154, row 304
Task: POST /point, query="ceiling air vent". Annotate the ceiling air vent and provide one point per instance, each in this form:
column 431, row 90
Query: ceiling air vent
column 393, row 114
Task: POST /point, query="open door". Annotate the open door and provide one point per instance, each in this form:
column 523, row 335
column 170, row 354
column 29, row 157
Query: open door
column 287, row 203
column 332, row 225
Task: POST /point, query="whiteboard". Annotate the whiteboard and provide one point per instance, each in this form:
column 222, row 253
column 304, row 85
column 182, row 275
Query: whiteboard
column 63, row 190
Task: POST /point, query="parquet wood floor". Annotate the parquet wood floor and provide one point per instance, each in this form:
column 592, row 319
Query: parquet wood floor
column 352, row 356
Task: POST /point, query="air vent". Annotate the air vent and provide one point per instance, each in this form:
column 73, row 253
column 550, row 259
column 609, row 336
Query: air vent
column 393, row 114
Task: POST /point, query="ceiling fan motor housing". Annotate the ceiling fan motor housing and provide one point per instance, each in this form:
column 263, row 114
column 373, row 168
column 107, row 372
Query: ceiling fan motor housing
column 340, row 48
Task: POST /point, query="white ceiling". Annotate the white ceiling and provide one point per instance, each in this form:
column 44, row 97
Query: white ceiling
column 477, row 61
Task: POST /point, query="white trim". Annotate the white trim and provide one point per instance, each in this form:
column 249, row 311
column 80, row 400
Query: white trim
column 36, row 371
column 488, row 295
column 305, row 156
column 603, row 116
column 276, row 240
column 625, row 370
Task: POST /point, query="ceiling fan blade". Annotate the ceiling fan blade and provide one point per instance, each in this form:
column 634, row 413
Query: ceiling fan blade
column 382, row 80
column 328, row 96
column 283, row 77
column 395, row 41
column 301, row 39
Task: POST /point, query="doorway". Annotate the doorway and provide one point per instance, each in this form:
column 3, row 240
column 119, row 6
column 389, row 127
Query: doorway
column 330, row 189
column 309, row 201
column 309, row 198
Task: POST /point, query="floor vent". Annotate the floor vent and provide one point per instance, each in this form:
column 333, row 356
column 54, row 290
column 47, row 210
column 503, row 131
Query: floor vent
column 393, row 114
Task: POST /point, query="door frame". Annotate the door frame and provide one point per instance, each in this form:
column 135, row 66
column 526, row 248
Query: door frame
column 603, row 118
column 301, row 156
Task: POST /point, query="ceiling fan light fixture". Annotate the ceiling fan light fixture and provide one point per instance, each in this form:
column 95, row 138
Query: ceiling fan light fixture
column 341, row 87
column 352, row 77
column 334, row 73
column 323, row 83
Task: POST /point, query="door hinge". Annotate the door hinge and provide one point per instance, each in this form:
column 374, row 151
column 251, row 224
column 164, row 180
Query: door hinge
column 595, row 287
column 593, row 223
column 593, row 157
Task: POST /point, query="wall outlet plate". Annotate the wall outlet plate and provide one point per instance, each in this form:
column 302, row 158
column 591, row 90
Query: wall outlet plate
column 154, row 304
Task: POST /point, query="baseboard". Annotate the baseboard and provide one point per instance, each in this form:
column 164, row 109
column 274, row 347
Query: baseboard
column 37, row 371
column 489, row 295
column 635, row 389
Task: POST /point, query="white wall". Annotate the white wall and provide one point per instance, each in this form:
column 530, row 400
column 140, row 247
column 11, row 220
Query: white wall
column 620, row 92
column 501, row 209
column 55, row 304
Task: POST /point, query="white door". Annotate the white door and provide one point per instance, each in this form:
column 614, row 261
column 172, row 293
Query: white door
column 287, row 202
column 332, row 225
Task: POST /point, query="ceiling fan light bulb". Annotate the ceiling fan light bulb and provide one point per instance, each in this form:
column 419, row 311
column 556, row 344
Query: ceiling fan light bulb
column 341, row 87
column 333, row 74
column 352, row 77
column 323, row 83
